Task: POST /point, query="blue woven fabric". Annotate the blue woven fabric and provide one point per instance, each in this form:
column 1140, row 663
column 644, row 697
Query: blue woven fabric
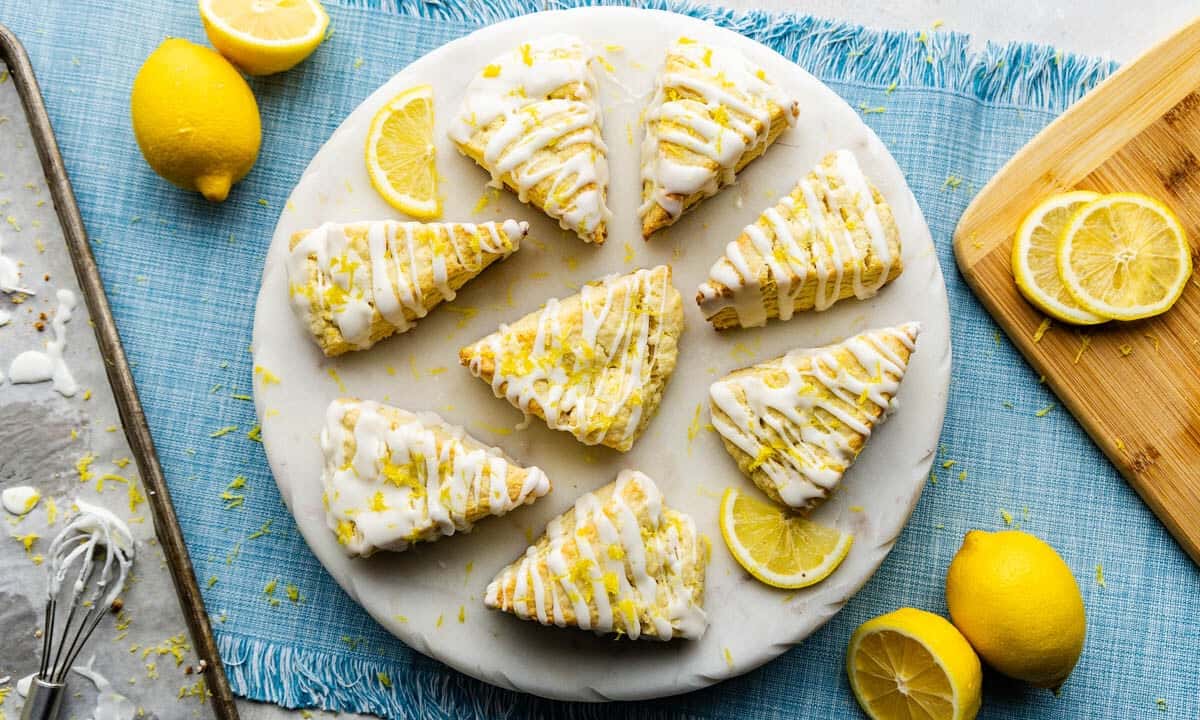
column 182, row 276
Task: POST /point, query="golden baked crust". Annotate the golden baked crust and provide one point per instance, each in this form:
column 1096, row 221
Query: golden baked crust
column 355, row 284
column 796, row 423
column 712, row 114
column 831, row 238
column 595, row 364
column 393, row 478
column 582, row 573
column 532, row 119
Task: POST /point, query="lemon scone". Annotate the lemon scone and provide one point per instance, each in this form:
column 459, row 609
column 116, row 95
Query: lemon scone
column 393, row 478
column 594, row 364
column 713, row 112
column 796, row 423
column 619, row 561
column 355, row 284
column 831, row 238
column 532, row 119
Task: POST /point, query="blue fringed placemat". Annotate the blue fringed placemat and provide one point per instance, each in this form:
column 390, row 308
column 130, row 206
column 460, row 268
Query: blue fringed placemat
column 182, row 277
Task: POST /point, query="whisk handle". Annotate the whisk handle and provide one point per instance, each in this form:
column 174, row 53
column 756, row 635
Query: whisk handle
column 44, row 700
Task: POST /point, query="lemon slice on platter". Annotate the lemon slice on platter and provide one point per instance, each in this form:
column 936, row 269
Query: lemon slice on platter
column 1035, row 257
column 1124, row 256
column 401, row 158
column 263, row 37
column 777, row 546
column 911, row 664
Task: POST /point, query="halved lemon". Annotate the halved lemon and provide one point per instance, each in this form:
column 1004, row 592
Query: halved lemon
column 401, row 158
column 914, row 665
column 264, row 36
column 1035, row 257
column 1124, row 256
column 778, row 547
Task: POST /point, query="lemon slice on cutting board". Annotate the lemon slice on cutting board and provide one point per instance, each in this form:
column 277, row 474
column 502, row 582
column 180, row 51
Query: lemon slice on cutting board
column 914, row 665
column 1124, row 256
column 263, row 37
column 1035, row 257
column 401, row 158
column 777, row 546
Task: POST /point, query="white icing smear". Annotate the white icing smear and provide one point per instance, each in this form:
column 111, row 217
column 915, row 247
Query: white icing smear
column 807, row 240
column 393, row 478
column 5, row 317
column 110, row 704
column 592, row 359
column 33, row 366
column 385, row 270
column 20, row 500
column 804, row 417
column 621, row 560
column 10, row 274
column 531, row 137
column 93, row 534
column 24, row 683
column 710, row 102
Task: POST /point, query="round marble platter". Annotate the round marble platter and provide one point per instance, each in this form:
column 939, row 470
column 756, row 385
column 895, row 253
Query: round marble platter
column 431, row 596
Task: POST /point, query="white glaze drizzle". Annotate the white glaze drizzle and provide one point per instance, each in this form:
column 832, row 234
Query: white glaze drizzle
column 601, row 381
column 537, row 135
column 732, row 117
column 355, row 288
column 630, row 558
column 20, row 499
column 410, row 478
column 814, row 433
column 805, row 238
column 34, row 366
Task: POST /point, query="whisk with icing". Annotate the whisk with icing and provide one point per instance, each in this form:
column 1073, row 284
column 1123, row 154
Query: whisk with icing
column 96, row 548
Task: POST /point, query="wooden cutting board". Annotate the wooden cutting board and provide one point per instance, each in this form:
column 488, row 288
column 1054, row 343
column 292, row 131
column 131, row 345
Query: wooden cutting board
column 1135, row 387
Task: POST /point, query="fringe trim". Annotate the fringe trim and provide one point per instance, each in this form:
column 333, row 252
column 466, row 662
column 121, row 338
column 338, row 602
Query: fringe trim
column 1031, row 76
column 293, row 677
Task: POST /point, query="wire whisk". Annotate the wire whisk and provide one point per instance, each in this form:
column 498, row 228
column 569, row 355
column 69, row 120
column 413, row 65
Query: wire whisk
column 98, row 548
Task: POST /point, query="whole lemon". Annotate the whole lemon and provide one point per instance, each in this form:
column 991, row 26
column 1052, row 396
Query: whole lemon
column 195, row 118
column 1018, row 604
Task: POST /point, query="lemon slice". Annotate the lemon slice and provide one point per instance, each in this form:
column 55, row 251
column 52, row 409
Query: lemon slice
column 1035, row 257
column 778, row 547
column 912, row 664
column 401, row 158
column 264, row 36
column 1124, row 256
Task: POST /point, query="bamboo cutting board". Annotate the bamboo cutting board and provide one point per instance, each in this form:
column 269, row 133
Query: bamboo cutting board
column 1135, row 387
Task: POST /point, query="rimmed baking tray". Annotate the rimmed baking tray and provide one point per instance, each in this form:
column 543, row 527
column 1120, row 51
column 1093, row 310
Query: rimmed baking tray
column 133, row 420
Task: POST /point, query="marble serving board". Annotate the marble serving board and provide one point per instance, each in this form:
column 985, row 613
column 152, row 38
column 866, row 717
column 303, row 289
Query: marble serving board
column 417, row 595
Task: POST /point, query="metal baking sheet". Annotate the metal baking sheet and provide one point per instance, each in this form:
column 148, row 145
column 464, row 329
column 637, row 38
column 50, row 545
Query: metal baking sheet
column 28, row 433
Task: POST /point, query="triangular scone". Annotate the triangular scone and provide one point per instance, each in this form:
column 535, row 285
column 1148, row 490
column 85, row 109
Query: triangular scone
column 393, row 478
column 355, row 284
column 796, row 423
column 532, row 119
column 713, row 112
column 594, row 364
column 617, row 562
column 831, row 238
